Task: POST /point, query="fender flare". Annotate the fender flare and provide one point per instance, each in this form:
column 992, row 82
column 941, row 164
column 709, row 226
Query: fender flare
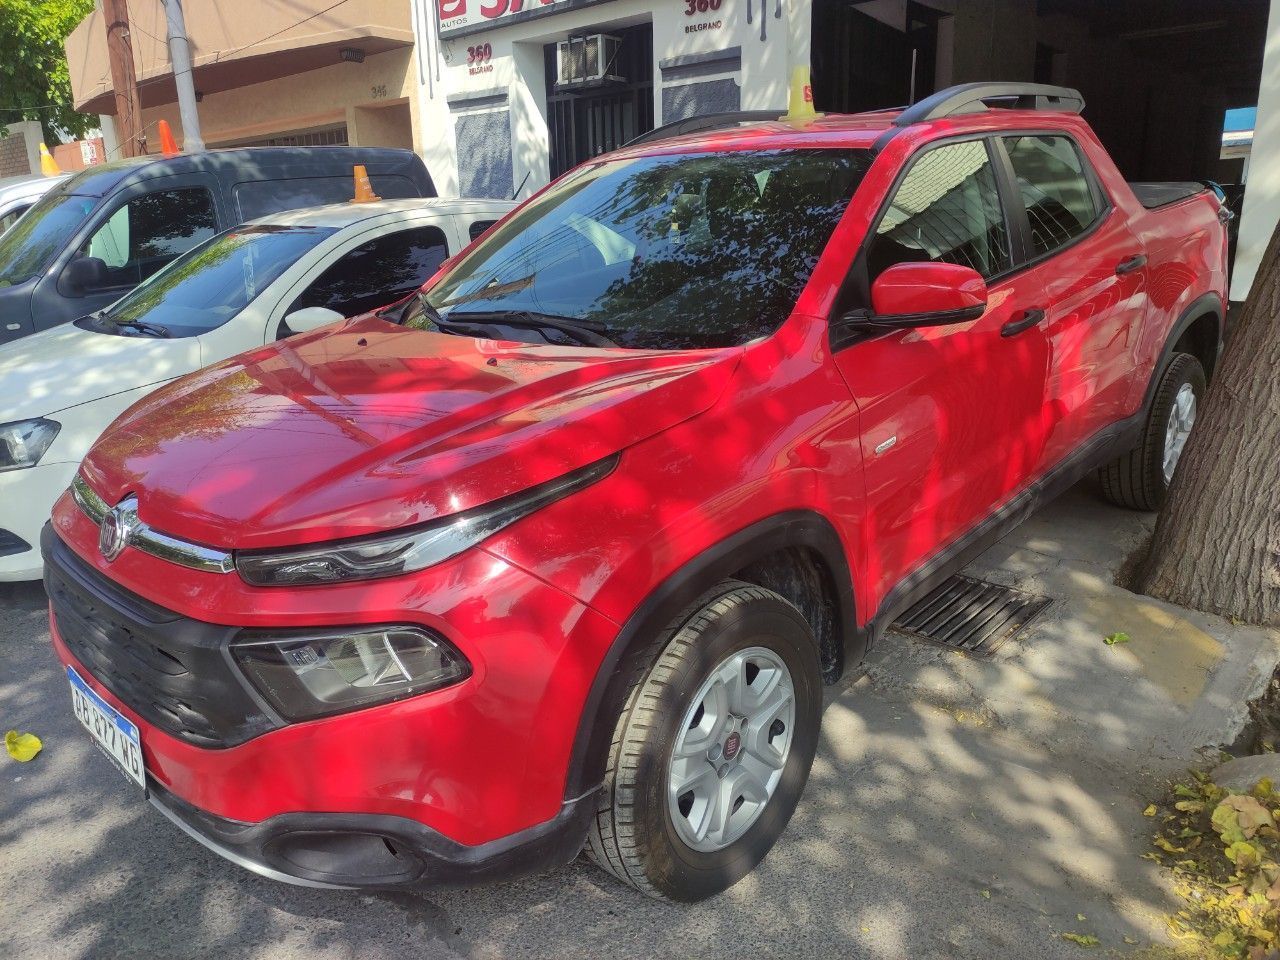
column 1206, row 303
column 634, row 641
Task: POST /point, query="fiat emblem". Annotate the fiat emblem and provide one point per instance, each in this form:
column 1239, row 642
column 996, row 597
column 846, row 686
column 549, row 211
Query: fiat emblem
column 732, row 745
column 117, row 525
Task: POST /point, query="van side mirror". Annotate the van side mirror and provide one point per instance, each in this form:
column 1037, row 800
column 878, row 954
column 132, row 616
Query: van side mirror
column 309, row 318
column 929, row 294
column 83, row 275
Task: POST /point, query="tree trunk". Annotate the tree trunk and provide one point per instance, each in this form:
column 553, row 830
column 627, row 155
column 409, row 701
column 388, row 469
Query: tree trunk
column 1217, row 540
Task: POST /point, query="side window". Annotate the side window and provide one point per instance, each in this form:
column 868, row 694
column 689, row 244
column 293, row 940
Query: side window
column 149, row 231
column 1055, row 189
column 257, row 198
column 478, row 227
column 946, row 209
column 378, row 272
column 10, row 218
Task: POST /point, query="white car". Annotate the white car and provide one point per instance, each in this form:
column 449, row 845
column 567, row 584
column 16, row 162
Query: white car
column 19, row 193
column 286, row 273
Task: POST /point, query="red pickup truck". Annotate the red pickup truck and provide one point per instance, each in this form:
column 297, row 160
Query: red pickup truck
column 559, row 552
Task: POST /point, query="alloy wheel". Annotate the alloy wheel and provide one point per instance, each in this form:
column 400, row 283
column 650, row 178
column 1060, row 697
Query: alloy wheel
column 1182, row 417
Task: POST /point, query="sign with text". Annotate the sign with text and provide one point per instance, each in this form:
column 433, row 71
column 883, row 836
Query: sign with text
column 459, row 17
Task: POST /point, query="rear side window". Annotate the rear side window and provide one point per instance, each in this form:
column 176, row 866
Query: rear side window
column 378, row 272
column 150, row 231
column 478, row 227
column 1055, row 188
column 258, row 198
column 946, row 209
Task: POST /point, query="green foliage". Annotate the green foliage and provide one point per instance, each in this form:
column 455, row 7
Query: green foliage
column 33, row 65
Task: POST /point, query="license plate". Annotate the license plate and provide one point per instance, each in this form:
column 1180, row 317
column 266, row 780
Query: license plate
column 116, row 734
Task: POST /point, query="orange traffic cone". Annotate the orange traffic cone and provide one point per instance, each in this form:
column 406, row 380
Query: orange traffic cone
column 168, row 145
column 364, row 190
column 48, row 166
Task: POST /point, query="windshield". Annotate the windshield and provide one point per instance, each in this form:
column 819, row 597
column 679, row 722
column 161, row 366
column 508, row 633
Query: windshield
column 665, row 252
column 28, row 246
column 211, row 283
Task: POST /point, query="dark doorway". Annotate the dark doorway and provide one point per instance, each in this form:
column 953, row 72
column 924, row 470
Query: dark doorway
column 861, row 63
column 585, row 122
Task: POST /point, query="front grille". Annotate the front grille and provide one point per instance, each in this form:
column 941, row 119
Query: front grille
column 170, row 669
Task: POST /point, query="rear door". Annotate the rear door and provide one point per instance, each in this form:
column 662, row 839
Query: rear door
column 1094, row 275
column 950, row 416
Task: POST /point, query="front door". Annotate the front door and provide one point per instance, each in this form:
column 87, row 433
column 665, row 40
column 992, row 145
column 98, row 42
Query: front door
column 951, row 417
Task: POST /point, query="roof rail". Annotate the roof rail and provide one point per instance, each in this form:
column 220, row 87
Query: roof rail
column 974, row 97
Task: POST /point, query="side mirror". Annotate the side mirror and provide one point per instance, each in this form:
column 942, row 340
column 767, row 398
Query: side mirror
column 924, row 295
column 309, row 318
column 84, row 274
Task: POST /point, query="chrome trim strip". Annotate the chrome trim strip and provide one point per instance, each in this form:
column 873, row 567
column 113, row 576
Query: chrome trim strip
column 94, row 507
column 144, row 538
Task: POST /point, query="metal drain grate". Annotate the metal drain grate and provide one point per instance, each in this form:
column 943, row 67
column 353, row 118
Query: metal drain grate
column 971, row 615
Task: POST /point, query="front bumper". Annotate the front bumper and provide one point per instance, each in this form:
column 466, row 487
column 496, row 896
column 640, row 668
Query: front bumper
column 346, row 850
column 26, row 500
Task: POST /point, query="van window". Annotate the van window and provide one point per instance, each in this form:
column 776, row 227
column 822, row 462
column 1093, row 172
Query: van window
column 946, row 209
column 1055, row 189
column 378, row 272
column 10, row 218
column 260, row 197
column 478, row 227
column 150, row 231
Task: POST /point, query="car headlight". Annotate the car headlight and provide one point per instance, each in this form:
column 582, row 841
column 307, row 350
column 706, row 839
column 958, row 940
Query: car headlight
column 316, row 674
column 404, row 551
column 24, row 442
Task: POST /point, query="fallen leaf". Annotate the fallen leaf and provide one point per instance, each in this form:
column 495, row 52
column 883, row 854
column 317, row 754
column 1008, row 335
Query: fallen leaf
column 1112, row 639
column 986, row 894
column 1130, row 940
column 1250, row 814
column 1081, row 917
column 1150, row 811
column 22, row 746
column 1168, row 847
column 1084, row 939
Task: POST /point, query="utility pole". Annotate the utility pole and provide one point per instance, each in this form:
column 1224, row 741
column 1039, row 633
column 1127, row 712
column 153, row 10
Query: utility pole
column 120, row 51
column 180, row 58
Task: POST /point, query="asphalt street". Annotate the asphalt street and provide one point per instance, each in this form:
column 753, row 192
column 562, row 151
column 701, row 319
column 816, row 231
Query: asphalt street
column 930, row 829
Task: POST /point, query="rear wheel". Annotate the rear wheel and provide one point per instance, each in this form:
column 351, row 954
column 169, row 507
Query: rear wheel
column 1140, row 478
column 713, row 748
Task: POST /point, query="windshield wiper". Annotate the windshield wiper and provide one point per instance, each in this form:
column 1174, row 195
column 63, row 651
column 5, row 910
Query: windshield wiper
column 142, row 326
column 584, row 331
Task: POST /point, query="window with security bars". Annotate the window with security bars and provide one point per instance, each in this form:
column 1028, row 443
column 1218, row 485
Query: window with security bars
column 946, row 209
column 1055, row 189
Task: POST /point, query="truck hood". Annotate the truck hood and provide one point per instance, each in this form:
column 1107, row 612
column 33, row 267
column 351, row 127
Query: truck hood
column 370, row 427
column 66, row 366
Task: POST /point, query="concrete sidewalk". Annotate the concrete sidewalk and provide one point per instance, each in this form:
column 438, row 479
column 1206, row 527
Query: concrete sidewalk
column 959, row 808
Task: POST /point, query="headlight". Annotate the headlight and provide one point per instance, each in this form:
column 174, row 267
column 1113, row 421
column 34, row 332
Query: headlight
column 404, row 551
column 311, row 675
column 23, row 443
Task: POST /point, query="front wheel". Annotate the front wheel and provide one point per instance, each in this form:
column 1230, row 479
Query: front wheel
column 713, row 748
column 1140, row 478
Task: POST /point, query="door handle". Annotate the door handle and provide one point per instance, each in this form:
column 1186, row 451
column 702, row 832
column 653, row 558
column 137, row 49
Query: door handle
column 1133, row 263
column 1028, row 320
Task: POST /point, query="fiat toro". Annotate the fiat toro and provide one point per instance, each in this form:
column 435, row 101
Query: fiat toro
column 559, row 552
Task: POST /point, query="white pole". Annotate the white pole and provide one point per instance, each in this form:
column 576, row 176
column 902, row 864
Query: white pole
column 180, row 58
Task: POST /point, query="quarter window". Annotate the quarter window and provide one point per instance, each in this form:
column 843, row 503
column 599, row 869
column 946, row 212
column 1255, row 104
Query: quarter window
column 946, row 209
column 478, row 227
column 378, row 272
column 1054, row 187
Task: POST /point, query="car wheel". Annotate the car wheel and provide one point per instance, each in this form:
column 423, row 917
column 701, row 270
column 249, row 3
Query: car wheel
column 713, row 747
column 1140, row 479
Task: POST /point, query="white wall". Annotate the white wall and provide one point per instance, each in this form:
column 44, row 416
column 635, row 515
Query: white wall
column 516, row 68
column 1262, row 193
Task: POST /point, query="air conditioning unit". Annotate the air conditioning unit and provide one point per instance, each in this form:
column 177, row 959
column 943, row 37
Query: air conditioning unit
column 587, row 60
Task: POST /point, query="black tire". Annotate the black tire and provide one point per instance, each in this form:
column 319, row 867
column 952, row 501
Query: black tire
column 1136, row 479
column 633, row 836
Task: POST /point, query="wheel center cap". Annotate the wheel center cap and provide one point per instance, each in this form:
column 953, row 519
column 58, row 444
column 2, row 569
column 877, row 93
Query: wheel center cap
column 732, row 744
